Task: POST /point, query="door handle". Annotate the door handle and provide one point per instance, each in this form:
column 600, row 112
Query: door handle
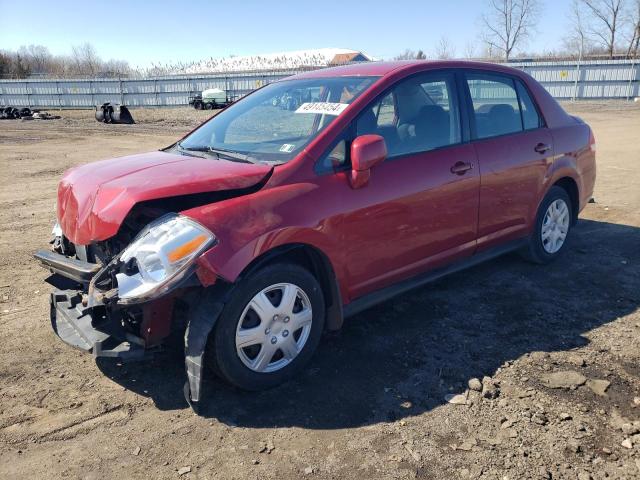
column 542, row 148
column 459, row 168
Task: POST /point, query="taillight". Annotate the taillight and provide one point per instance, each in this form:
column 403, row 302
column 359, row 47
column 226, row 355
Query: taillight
column 592, row 141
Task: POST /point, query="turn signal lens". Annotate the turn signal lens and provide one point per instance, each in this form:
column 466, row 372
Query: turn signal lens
column 185, row 249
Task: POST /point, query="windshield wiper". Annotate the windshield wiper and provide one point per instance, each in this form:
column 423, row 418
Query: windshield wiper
column 231, row 155
column 221, row 153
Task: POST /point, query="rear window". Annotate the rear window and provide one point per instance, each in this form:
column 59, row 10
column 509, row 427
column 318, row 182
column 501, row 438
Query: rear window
column 495, row 105
column 501, row 105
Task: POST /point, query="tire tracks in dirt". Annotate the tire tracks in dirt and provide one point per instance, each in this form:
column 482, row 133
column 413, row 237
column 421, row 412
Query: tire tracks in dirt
column 114, row 415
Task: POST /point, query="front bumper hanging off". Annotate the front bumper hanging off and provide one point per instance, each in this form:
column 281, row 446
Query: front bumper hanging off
column 82, row 328
column 100, row 330
column 90, row 329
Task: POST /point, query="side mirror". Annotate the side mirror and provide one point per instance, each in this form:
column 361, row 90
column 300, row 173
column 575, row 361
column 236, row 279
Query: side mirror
column 367, row 151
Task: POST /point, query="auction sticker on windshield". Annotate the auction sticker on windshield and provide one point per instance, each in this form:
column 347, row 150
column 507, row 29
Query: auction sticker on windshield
column 287, row 148
column 322, row 108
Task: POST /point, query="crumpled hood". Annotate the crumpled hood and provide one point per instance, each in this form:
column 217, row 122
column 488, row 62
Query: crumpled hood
column 94, row 199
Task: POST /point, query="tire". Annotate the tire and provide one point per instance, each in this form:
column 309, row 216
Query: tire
column 197, row 105
column 541, row 250
column 231, row 362
column 208, row 106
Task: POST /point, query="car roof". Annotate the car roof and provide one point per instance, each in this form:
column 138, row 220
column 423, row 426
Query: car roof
column 380, row 69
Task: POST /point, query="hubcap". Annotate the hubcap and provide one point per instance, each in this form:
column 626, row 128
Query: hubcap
column 274, row 327
column 555, row 226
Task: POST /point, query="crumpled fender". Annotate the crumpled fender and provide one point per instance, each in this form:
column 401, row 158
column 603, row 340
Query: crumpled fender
column 245, row 228
column 94, row 199
column 248, row 226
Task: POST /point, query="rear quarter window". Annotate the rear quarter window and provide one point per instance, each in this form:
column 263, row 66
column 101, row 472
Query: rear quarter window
column 530, row 117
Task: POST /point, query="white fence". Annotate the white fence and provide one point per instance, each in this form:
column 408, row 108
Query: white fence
column 564, row 80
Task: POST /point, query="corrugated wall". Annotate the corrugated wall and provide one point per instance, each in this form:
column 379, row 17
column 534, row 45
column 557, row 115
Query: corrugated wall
column 564, row 80
column 590, row 80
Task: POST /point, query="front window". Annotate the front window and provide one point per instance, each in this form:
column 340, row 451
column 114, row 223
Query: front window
column 418, row 114
column 276, row 122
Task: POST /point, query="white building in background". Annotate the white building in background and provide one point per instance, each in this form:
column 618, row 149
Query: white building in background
column 319, row 57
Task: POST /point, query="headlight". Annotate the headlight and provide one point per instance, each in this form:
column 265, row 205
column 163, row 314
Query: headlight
column 160, row 256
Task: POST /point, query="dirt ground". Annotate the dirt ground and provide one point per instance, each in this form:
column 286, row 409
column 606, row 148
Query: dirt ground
column 372, row 403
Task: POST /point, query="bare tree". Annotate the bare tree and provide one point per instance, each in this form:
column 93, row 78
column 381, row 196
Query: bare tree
column 606, row 18
column 634, row 43
column 37, row 57
column 508, row 23
column 407, row 55
column 85, row 59
column 470, row 50
column 116, row 68
column 577, row 41
column 444, row 49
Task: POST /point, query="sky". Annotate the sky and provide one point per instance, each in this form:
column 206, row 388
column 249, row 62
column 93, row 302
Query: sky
column 163, row 31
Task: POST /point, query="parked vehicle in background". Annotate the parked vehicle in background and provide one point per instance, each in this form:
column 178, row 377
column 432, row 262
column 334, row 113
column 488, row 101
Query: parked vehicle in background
column 269, row 225
column 212, row 98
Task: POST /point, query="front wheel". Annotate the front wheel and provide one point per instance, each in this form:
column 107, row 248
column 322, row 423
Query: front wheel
column 553, row 224
column 269, row 329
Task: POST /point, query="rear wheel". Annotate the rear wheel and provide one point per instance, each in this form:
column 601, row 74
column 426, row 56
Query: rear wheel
column 553, row 224
column 269, row 329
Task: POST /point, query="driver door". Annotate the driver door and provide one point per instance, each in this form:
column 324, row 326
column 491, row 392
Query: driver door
column 420, row 208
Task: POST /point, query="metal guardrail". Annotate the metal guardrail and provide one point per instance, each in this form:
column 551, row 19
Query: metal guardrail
column 563, row 79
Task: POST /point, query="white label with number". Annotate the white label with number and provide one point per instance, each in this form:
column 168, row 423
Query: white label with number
column 322, row 108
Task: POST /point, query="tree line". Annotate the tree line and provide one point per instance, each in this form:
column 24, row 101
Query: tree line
column 595, row 28
column 604, row 28
column 36, row 60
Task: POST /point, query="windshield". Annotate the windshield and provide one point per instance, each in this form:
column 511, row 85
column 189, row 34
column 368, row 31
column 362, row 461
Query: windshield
column 274, row 123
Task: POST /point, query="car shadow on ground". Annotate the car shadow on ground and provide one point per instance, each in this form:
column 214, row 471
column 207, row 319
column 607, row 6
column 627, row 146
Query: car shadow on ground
column 425, row 343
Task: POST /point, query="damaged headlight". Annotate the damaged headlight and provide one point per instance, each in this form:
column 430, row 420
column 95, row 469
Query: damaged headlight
column 160, row 256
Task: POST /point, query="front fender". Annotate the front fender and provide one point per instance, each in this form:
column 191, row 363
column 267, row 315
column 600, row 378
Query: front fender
column 249, row 226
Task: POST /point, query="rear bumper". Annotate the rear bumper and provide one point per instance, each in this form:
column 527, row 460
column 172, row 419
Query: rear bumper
column 90, row 330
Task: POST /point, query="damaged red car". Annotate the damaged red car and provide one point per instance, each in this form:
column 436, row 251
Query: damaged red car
column 275, row 220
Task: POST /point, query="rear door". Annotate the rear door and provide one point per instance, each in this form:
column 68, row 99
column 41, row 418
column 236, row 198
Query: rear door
column 514, row 150
column 420, row 208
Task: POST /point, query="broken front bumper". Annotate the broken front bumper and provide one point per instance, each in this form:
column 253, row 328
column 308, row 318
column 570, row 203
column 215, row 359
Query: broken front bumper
column 72, row 268
column 99, row 327
column 85, row 328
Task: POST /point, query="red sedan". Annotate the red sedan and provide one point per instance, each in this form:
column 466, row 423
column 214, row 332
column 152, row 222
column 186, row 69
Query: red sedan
column 276, row 219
